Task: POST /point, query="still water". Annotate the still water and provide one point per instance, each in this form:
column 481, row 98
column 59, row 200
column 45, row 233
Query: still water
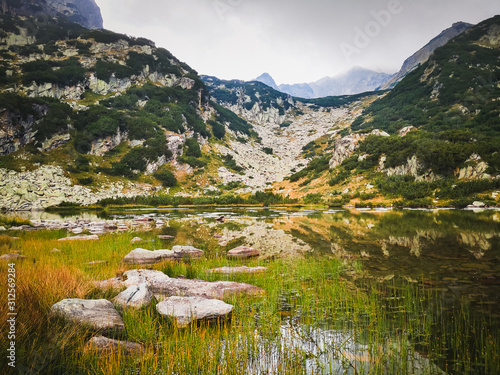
column 452, row 254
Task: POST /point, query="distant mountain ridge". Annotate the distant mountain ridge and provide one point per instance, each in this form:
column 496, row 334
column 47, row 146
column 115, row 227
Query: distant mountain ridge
column 423, row 54
column 355, row 81
column 83, row 12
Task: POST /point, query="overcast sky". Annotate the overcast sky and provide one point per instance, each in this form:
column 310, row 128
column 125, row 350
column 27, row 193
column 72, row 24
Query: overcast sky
column 293, row 40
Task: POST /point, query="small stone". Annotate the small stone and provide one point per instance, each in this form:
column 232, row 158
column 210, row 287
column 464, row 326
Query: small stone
column 243, row 252
column 188, row 309
column 135, row 296
column 12, row 256
column 96, row 262
column 103, row 344
column 165, row 237
column 136, row 239
column 54, row 250
column 92, row 237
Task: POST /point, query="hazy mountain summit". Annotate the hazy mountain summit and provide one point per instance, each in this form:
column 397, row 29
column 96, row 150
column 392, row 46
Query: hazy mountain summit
column 422, row 55
column 354, row 81
column 83, row 12
column 268, row 80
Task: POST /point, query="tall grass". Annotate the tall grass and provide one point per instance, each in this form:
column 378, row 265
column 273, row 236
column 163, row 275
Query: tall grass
column 313, row 318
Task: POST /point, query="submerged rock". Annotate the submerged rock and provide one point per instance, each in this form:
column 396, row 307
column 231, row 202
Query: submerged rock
column 135, row 296
column 243, row 252
column 103, row 344
column 188, row 309
column 99, row 314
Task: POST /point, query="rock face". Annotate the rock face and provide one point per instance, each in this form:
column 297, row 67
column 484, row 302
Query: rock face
column 135, row 296
column 143, row 256
column 99, row 314
column 188, row 309
column 84, row 12
column 243, row 252
column 163, row 286
column 422, row 55
column 103, row 344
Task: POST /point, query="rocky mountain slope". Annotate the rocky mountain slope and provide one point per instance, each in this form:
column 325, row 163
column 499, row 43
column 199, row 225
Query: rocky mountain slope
column 109, row 112
column 355, row 81
column 83, row 12
column 422, row 55
column 437, row 134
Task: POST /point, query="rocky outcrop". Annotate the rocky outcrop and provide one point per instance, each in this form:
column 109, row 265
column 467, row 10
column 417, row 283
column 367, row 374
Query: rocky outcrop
column 345, row 147
column 475, row 169
column 412, row 168
column 18, row 129
column 99, row 314
column 185, row 310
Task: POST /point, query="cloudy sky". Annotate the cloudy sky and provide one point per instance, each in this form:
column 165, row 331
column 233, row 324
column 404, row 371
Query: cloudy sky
column 293, row 40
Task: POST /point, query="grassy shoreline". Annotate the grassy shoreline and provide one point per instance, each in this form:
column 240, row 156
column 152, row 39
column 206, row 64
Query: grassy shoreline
column 314, row 318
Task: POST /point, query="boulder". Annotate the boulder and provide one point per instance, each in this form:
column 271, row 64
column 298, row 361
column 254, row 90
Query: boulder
column 92, row 237
column 143, row 256
column 163, row 286
column 135, row 296
column 103, row 344
column 99, row 314
column 185, row 310
column 232, row 270
column 243, row 252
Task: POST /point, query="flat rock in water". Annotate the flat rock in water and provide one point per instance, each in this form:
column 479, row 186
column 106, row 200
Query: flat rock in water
column 92, row 237
column 188, row 309
column 100, row 314
column 243, row 252
column 163, row 286
column 12, row 256
column 143, row 256
column 103, row 344
column 135, row 296
column 232, row 270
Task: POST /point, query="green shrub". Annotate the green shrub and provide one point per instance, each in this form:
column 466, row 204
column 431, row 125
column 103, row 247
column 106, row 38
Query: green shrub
column 167, row 178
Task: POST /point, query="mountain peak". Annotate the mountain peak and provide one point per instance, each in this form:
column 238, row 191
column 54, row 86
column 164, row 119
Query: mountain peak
column 83, row 12
column 268, row 80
